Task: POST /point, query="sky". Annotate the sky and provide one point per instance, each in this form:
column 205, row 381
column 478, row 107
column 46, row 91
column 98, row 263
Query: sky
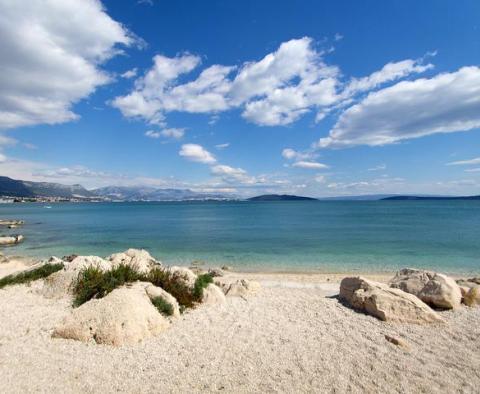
column 317, row 98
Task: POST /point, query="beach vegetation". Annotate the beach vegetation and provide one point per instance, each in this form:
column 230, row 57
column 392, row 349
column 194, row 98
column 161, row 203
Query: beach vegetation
column 201, row 283
column 164, row 307
column 93, row 282
column 31, row 275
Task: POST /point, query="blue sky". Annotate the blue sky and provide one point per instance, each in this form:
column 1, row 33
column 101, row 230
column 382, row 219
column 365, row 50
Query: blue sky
column 307, row 97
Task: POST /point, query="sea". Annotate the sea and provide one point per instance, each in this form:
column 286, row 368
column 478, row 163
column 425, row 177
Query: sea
column 291, row 236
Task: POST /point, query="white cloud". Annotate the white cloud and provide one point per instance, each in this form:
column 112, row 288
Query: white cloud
column 276, row 90
column 338, row 37
column 130, row 73
column 472, row 170
column 446, row 103
column 290, row 154
column 311, row 165
column 380, row 167
column 390, row 72
column 231, row 174
column 320, row 179
column 173, row 133
column 197, row 153
column 465, row 162
column 51, row 53
column 222, row 146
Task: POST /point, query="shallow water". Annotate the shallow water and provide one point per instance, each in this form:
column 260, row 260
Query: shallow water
column 292, row 236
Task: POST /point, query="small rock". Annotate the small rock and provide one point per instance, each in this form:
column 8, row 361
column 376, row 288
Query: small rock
column 216, row 272
column 212, row 294
column 472, row 297
column 397, row 341
column 11, row 239
column 70, row 257
column 240, row 288
column 154, row 292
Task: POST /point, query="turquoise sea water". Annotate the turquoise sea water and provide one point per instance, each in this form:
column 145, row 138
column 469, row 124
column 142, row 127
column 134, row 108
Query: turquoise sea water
column 282, row 236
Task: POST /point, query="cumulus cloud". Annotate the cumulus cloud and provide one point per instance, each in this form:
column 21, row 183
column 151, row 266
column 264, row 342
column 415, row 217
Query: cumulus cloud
column 130, row 73
column 231, row 174
column 48, row 64
column 276, row 90
column 446, row 103
column 197, row 153
column 291, row 154
column 311, row 165
column 173, row 133
column 465, row 162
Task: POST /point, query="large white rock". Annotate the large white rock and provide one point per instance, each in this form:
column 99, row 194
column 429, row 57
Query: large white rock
column 125, row 316
column 212, row 294
column 138, row 258
column 154, row 292
column 61, row 282
column 386, row 303
column 432, row 288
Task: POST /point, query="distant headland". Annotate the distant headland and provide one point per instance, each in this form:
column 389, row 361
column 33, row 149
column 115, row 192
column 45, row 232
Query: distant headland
column 281, row 197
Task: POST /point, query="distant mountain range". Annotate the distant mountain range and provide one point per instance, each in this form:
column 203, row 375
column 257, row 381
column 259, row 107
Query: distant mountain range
column 16, row 188
column 281, row 197
column 131, row 193
column 25, row 189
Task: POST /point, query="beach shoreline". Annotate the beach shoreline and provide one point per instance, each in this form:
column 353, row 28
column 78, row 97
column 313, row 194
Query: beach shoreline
column 293, row 333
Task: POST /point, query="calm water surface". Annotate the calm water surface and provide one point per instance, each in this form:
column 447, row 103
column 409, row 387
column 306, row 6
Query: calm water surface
column 303, row 235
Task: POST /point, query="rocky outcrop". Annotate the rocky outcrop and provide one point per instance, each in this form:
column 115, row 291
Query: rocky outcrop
column 239, row 288
column 60, row 283
column 11, row 222
column 212, row 294
column 385, row 303
column 125, row 316
column 432, row 288
column 184, row 274
column 137, row 258
column 6, row 240
column 157, row 292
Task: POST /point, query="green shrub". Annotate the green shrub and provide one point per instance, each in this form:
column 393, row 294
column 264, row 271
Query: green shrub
column 173, row 283
column 92, row 282
column 200, row 284
column 164, row 307
column 31, row 275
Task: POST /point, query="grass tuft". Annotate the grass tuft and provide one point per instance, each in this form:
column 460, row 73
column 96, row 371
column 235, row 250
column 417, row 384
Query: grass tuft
column 31, row 275
column 164, row 307
column 92, row 282
column 201, row 283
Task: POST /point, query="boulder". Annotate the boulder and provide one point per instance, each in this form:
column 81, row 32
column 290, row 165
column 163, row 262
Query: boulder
column 185, row 274
column 140, row 259
column 60, row 283
column 216, row 272
column 125, row 316
column 385, row 303
column 10, row 239
column 432, row 288
column 4, row 222
column 155, row 292
column 212, row 294
column 240, row 288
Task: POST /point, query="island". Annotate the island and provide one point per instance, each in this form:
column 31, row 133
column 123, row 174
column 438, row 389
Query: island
column 280, row 197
